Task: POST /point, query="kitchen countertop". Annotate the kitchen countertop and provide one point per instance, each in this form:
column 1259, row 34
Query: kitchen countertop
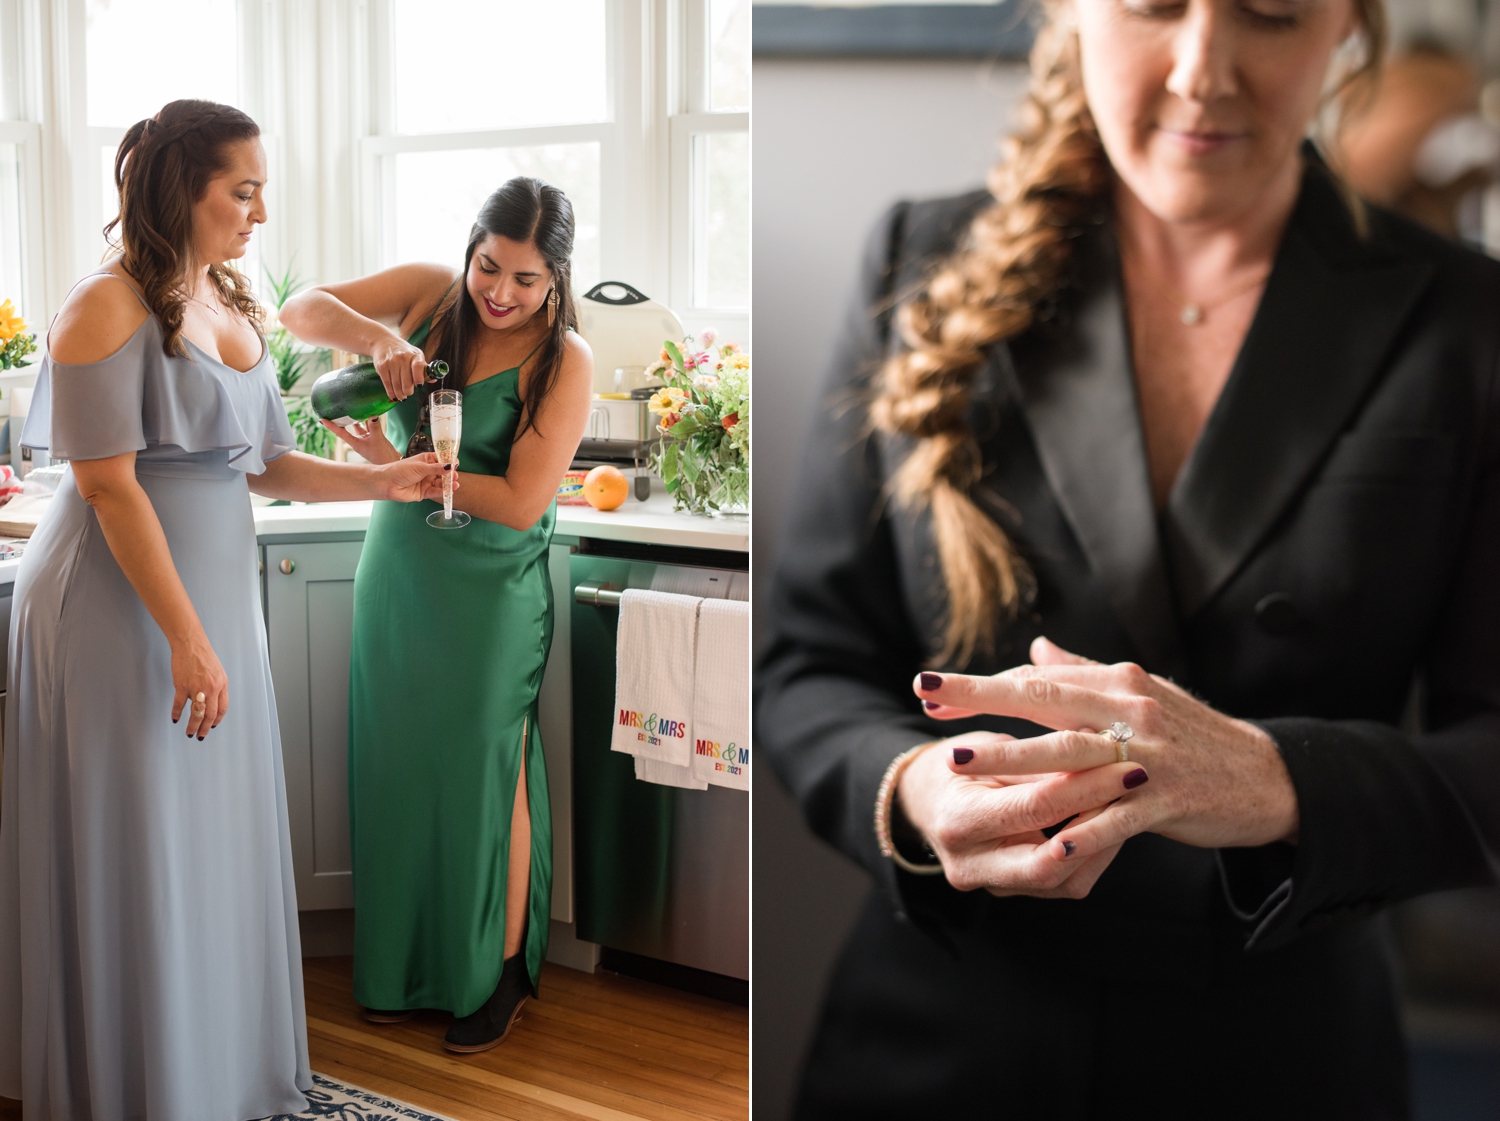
column 652, row 522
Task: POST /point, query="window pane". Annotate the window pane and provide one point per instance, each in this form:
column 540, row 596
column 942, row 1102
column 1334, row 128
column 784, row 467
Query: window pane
column 544, row 64
column 721, row 233
column 145, row 53
column 12, row 231
column 729, row 58
column 439, row 193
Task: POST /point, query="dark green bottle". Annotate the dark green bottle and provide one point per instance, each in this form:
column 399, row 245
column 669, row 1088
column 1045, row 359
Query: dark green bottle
column 356, row 393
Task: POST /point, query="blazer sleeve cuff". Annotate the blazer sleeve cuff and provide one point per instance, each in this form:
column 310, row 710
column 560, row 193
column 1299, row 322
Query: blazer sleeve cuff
column 1376, row 824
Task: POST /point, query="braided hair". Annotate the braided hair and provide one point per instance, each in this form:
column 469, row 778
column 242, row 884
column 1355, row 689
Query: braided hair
column 1052, row 182
column 162, row 168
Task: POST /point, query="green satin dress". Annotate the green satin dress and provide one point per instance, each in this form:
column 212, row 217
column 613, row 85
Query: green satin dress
column 451, row 633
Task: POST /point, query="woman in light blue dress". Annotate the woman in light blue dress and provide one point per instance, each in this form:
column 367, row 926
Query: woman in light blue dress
column 149, row 960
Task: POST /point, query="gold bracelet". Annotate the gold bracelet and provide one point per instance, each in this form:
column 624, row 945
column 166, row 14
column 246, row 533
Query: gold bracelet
column 883, row 798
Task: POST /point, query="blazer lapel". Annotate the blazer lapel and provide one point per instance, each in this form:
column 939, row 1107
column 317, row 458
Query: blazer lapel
column 1077, row 391
column 1331, row 308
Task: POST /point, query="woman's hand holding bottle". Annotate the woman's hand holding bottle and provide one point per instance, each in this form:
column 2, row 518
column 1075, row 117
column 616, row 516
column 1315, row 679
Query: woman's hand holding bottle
column 401, row 366
column 368, row 438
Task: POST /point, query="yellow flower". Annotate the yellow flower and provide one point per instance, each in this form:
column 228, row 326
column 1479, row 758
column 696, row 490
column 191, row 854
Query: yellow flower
column 11, row 324
column 667, row 401
column 738, row 361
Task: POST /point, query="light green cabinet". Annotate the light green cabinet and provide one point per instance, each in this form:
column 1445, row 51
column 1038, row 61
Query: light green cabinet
column 309, row 614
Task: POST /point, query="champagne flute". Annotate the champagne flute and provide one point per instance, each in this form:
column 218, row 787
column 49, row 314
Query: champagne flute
column 445, row 410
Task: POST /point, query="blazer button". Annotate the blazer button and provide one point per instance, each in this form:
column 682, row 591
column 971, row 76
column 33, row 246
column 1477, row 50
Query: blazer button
column 1278, row 614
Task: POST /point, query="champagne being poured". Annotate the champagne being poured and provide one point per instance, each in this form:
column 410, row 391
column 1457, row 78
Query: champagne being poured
column 445, row 412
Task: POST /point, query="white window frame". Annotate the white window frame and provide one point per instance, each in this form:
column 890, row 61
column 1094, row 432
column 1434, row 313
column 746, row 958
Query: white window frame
column 27, row 137
column 694, row 116
column 331, row 157
column 621, row 136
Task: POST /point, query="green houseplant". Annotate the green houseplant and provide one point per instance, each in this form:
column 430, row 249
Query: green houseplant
column 291, row 360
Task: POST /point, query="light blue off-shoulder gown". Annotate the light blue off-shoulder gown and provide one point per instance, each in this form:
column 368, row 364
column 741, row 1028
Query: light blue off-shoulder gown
column 149, row 961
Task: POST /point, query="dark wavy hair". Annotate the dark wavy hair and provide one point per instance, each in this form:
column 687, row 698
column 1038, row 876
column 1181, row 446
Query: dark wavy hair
column 533, row 213
column 161, row 169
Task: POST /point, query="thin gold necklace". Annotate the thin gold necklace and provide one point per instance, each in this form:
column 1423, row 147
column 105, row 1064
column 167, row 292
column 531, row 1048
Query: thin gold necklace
column 1193, row 312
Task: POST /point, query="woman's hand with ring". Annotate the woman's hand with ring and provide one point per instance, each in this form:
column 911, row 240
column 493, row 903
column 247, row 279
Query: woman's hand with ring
column 196, row 672
column 401, row 366
column 987, row 828
column 1215, row 781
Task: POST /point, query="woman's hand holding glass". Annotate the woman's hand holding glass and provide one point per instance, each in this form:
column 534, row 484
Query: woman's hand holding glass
column 401, row 366
column 1193, row 775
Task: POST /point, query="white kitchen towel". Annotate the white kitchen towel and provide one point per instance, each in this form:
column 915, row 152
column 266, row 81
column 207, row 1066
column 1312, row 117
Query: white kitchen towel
column 707, row 583
column 654, row 669
column 721, row 694
column 664, row 774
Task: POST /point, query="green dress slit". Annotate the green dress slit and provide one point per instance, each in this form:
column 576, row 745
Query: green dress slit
column 451, row 633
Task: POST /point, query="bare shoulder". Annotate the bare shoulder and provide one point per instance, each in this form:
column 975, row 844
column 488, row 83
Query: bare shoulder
column 578, row 357
column 99, row 316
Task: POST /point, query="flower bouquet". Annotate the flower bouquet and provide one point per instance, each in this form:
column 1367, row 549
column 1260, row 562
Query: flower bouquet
column 14, row 344
column 703, row 415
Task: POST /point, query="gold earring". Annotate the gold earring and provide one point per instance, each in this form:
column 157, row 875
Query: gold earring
column 551, row 306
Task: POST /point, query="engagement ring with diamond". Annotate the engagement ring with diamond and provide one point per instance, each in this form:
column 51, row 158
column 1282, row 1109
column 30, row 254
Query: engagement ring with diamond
column 1122, row 734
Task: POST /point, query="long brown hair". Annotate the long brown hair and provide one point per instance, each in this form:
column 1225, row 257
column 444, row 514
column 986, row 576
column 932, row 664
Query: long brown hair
column 533, row 213
column 162, row 168
column 1052, row 181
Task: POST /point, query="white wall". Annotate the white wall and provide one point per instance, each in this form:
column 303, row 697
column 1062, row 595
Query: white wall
column 835, row 143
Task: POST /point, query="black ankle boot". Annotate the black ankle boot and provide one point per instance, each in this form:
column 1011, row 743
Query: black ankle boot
column 491, row 1023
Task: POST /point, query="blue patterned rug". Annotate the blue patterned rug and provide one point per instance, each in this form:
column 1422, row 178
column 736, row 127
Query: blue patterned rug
column 332, row 1100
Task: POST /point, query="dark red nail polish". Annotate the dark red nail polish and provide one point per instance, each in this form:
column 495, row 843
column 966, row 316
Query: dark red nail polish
column 200, row 739
column 931, row 705
column 447, row 467
column 1069, row 848
column 930, row 681
column 1135, row 778
column 963, row 754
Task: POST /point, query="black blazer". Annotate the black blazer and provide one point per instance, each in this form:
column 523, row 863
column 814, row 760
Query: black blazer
column 1333, row 537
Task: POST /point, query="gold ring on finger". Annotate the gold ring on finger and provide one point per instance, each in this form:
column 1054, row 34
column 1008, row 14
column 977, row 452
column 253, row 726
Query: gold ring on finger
column 1122, row 734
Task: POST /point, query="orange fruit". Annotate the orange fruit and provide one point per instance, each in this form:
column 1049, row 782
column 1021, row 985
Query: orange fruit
column 605, row 487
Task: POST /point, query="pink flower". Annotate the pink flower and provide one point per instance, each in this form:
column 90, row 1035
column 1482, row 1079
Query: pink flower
column 708, row 337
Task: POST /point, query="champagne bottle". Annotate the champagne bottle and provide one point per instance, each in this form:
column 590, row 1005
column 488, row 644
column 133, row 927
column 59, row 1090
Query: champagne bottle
column 356, row 393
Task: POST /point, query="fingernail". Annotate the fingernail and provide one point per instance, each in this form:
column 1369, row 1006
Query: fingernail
column 200, row 739
column 1069, row 848
column 930, row 681
column 1135, row 778
column 175, row 719
column 447, row 467
column 963, row 754
column 931, row 705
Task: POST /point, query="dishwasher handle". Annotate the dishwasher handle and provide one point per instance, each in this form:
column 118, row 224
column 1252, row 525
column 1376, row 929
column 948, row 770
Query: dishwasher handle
column 596, row 595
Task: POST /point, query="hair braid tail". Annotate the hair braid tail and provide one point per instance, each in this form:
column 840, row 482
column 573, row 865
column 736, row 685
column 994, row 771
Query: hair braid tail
column 1050, row 184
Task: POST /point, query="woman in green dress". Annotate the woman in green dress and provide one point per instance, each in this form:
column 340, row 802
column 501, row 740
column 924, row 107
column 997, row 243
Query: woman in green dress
column 448, row 809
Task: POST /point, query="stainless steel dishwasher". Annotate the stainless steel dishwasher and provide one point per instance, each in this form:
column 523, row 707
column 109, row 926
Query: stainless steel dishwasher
column 659, row 872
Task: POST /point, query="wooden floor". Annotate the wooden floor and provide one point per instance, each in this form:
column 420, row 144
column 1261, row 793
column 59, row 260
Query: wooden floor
column 602, row 1047
column 598, row 1046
